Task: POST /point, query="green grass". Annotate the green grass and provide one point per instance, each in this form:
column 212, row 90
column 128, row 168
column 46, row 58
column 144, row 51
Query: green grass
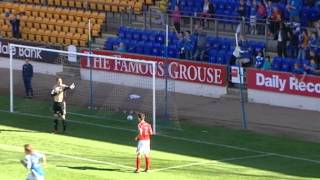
column 95, row 149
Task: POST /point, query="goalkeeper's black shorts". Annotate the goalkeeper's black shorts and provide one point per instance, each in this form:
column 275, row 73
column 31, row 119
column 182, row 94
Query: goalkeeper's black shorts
column 59, row 108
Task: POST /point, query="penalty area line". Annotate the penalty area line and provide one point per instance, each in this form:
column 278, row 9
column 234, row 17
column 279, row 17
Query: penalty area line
column 20, row 149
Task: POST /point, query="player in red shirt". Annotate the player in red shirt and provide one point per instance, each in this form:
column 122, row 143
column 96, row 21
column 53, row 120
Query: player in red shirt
column 143, row 138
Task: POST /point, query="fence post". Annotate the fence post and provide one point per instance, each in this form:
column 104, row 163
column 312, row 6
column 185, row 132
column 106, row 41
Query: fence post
column 266, row 34
column 216, row 27
column 121, row 18
column 145, row 19
column 191, row 24
column 150, row 19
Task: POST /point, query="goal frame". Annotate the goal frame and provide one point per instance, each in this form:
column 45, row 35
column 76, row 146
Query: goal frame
column 153, row 63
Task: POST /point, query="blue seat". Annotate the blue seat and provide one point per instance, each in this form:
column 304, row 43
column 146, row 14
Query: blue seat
column 145, row 35
column 147, row 48
column 213, row 56
column 276, row 63
column 221, row 59
column 225, row 44
column 137, row 35
column 156, row 50
column 152, row 36
column 109, row 43
column 172, row 51
column 132, row 46
column 287, row 64
column 122, row 32
column 160, row 37
column 129, row 33
column 139, row 47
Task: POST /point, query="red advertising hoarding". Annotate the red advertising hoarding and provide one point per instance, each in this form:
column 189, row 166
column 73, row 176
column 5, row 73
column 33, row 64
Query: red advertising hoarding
column 189, row 71
column 282, row 82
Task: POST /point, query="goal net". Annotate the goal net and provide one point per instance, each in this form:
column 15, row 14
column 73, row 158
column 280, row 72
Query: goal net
column 107, row 87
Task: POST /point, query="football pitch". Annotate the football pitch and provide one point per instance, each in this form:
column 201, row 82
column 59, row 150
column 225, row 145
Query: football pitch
column 97, row 149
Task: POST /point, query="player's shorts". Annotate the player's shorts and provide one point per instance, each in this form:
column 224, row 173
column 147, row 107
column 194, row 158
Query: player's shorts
column 33, row 177
column 143, row 147
column 59, row 108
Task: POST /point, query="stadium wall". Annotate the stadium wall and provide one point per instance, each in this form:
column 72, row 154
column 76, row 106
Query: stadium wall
column 189, row 77
column 38, row 67
column 283, row 89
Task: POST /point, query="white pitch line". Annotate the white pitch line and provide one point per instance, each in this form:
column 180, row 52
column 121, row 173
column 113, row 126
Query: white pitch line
column 184, row 139
column 8, row 160
column 212, row 161
column 19, row 149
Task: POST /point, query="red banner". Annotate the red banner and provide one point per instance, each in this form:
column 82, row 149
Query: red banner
column 283, row 83
column 189, row 71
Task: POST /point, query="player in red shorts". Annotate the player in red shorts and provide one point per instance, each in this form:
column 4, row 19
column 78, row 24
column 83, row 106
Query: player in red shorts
column 143, row 138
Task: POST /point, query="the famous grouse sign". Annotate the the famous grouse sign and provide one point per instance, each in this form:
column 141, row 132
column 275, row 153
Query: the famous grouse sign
column 190, row 71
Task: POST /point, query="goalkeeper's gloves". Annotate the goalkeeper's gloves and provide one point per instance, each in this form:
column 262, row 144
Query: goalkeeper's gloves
column 72, row 86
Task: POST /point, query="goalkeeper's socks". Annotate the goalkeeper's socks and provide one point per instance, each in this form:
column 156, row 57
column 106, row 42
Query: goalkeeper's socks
column 138, row 162
column 56, row 125
column 64, row 123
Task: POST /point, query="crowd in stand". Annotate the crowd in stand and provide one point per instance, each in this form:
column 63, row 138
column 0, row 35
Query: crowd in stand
column 297, row 32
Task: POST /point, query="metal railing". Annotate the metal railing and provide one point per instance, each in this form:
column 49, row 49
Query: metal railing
column 219, row 25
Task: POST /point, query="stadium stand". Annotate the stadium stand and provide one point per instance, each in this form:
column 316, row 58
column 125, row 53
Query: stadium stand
column 151, row 42
column 309, row 12
column 35, row 18
column 100, row 5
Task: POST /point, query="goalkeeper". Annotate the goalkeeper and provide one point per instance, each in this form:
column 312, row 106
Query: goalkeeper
column 59, row 104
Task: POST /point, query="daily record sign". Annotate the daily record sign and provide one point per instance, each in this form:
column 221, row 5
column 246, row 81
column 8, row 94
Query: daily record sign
column 189, row 71
column 282, row 82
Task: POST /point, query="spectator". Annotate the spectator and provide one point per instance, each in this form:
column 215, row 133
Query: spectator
column 268, row 6
column 281, row 38
column 261, row 10
column 293, row 43
column 188, row 45
column 313, row 42
column 261, row 16
column 242, row 9
column 176, row 18
column 27, row 74
column 314, row 69
column 297, row 70
column 121, row 48
column 267, row 63
column 15, row 23
column 259, row 61
column 275, row 20
column 207, row 11
column 201, row 43
column 303, row 44
column 313, row 55
column 294, row 6
column 180, row 45
column 253, row 17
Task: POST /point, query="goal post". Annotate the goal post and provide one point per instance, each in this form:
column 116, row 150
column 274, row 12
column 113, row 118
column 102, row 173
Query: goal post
column 147, row 85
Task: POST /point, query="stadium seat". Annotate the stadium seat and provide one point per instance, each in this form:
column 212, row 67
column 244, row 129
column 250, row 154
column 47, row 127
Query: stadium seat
column 53, row 36
column 276, row 63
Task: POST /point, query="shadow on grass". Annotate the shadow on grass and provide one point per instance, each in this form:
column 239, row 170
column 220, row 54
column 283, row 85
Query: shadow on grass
column 90, row 168
column 15, row 130
column 107, row 133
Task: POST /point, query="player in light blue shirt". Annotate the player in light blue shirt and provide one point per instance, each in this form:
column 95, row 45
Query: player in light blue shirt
column 34, row 162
